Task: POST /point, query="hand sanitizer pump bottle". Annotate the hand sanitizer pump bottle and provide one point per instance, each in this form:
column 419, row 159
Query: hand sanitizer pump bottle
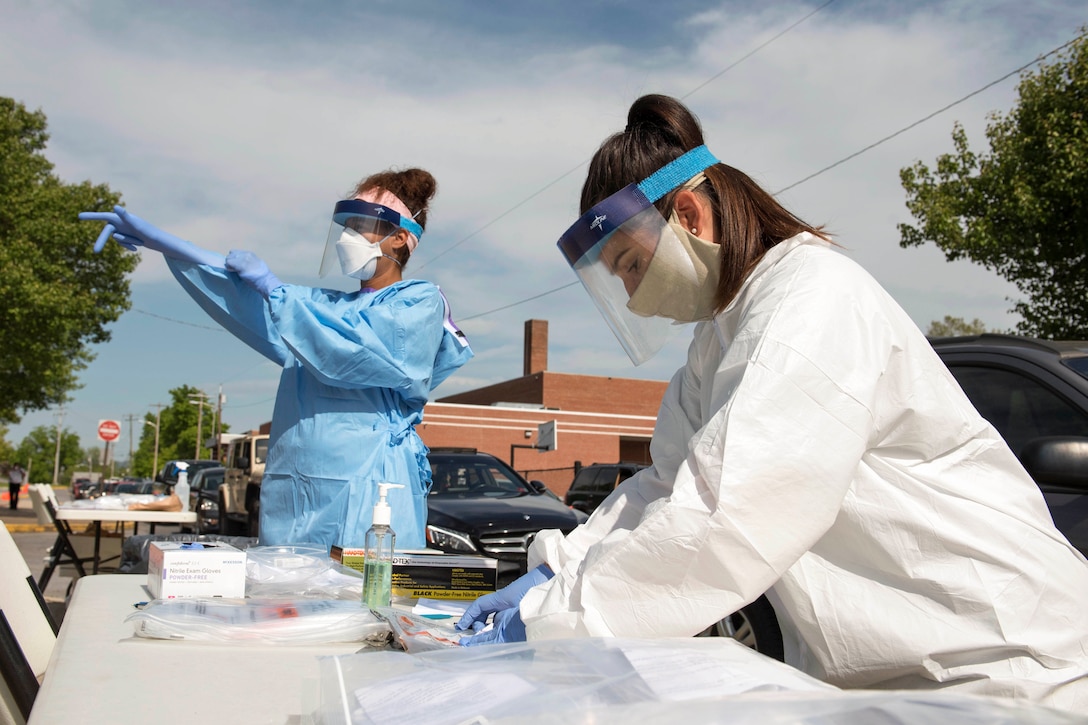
column 181, row 488
column 378, row 565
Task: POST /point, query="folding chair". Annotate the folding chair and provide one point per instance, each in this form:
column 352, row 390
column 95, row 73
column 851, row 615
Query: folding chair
column 28, row 633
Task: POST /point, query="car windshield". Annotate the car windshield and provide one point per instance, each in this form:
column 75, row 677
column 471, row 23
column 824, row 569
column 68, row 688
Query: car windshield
column 1078, row 365
column 474, row 477
column 208, row 478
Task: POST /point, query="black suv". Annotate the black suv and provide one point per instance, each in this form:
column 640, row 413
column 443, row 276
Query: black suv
column 168, row 476
column 1035, row 392
column 594, row 482
column 479, row 505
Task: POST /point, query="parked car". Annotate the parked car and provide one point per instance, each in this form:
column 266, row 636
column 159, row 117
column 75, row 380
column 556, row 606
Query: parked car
column 135, row 485
column 1035, row 392
column 168, row 476
column 479, row 505
column 204, row 498
column 594, row 482
column 83, row 488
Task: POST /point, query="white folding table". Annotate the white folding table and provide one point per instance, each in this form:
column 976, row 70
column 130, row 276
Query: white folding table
column 97, row 516
column 100, row 672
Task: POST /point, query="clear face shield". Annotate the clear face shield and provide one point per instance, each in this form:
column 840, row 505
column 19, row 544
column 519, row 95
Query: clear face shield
column 644, row 279
column 355, row 235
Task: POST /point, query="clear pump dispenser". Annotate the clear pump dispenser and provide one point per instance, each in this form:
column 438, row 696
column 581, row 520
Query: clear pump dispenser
column 181, row 488
column 378, row 565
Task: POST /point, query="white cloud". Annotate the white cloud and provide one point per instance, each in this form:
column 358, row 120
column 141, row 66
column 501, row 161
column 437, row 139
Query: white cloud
column 238, row 127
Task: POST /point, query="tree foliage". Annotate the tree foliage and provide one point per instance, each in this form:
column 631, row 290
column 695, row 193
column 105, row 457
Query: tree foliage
column 177, row 427
column 37, row 452
column 955, row 327
column 1021, row 209
column 56, row 295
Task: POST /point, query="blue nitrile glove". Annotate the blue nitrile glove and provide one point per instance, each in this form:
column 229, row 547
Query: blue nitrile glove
column 254, row 271
column 509, row 597
column 506, row 627
column 131, row 231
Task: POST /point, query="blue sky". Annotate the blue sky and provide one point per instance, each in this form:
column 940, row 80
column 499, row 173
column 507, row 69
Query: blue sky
column 238, row 125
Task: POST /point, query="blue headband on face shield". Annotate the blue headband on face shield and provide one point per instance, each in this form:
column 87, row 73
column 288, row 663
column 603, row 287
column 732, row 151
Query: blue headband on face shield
column 348, row 208
column 607, row 216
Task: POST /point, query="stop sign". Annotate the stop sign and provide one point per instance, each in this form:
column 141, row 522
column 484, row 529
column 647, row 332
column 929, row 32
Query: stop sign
column 109, row 430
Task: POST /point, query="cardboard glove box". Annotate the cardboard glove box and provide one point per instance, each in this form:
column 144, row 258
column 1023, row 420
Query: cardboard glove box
column 181, row 569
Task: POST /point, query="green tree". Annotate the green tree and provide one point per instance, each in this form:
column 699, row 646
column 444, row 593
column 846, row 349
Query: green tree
column 956, row 326
column 39, row 449
column 1021, row 209
column 56, row 295
column 177, row 426
column 7, row 451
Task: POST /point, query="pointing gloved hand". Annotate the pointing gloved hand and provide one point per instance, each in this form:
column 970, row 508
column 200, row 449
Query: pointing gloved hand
column 254, row 271
column 506, row 627
column 501, row 602
column 131, row 231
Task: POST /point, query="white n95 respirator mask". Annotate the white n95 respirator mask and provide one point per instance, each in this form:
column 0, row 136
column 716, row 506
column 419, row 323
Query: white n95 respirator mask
column 358, row 257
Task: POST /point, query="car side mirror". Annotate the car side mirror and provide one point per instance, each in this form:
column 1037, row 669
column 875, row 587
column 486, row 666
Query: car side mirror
column 1057, row 462
column 538, row 486
column 243, row 462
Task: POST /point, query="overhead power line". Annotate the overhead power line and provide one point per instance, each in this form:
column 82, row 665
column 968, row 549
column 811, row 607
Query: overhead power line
column 582, row 163
column 931, row 115
column 871, row 146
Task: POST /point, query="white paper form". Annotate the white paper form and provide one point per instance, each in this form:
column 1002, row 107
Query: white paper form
column 684, row 673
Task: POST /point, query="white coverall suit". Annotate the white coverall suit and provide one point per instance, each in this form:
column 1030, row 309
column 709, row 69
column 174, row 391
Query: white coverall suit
column 816, row 448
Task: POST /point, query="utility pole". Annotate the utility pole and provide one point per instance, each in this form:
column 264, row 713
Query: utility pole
column 219, row 424
column 131, row 418
column 158, row 419
column 56, row 456
column 200, row 397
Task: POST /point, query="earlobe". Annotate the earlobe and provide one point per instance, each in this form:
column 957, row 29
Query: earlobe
column 400, row 239
column 688, row 211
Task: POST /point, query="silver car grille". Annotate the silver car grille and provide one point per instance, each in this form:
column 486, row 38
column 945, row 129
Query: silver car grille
column 507, row 543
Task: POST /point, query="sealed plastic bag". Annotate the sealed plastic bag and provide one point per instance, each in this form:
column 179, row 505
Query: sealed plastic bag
column 263, row 621
column 299, row 571
column 623, row 681
column 421, row 633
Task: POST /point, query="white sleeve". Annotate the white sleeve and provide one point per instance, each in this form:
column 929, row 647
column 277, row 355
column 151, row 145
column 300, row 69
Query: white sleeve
column 623, row 508
column 789, row 418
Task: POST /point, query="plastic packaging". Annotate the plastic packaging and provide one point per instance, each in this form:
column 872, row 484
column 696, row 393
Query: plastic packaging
column 299, row 570
column 646, row 681
column 419, row 633
column 181, row 488
column 378, row 565
column 261, row 621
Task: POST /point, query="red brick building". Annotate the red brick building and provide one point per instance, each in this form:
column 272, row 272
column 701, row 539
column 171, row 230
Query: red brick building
column 597, row 419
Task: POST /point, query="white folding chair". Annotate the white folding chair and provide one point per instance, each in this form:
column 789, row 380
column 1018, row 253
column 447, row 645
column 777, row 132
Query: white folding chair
column 73, row 551
column 27, row 633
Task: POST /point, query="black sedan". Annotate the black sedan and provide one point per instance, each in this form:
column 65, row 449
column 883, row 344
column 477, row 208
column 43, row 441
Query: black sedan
column 479, row 505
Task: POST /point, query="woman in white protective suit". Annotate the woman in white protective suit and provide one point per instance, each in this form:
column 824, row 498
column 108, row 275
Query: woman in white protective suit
column 358, row 366
column 814, row 447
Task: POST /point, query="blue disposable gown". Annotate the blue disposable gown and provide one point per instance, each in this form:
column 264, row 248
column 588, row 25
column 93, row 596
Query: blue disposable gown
column 357, row 370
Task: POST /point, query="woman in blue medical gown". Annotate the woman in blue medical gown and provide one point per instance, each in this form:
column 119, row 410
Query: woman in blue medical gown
column 358, row 366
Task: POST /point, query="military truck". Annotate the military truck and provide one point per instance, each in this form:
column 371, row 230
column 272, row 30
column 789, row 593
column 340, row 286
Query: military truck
column 240, row 493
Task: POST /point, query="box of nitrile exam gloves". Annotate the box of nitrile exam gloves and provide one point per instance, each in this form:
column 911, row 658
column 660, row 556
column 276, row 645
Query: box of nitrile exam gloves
column 178, row 569
column 433, row 575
